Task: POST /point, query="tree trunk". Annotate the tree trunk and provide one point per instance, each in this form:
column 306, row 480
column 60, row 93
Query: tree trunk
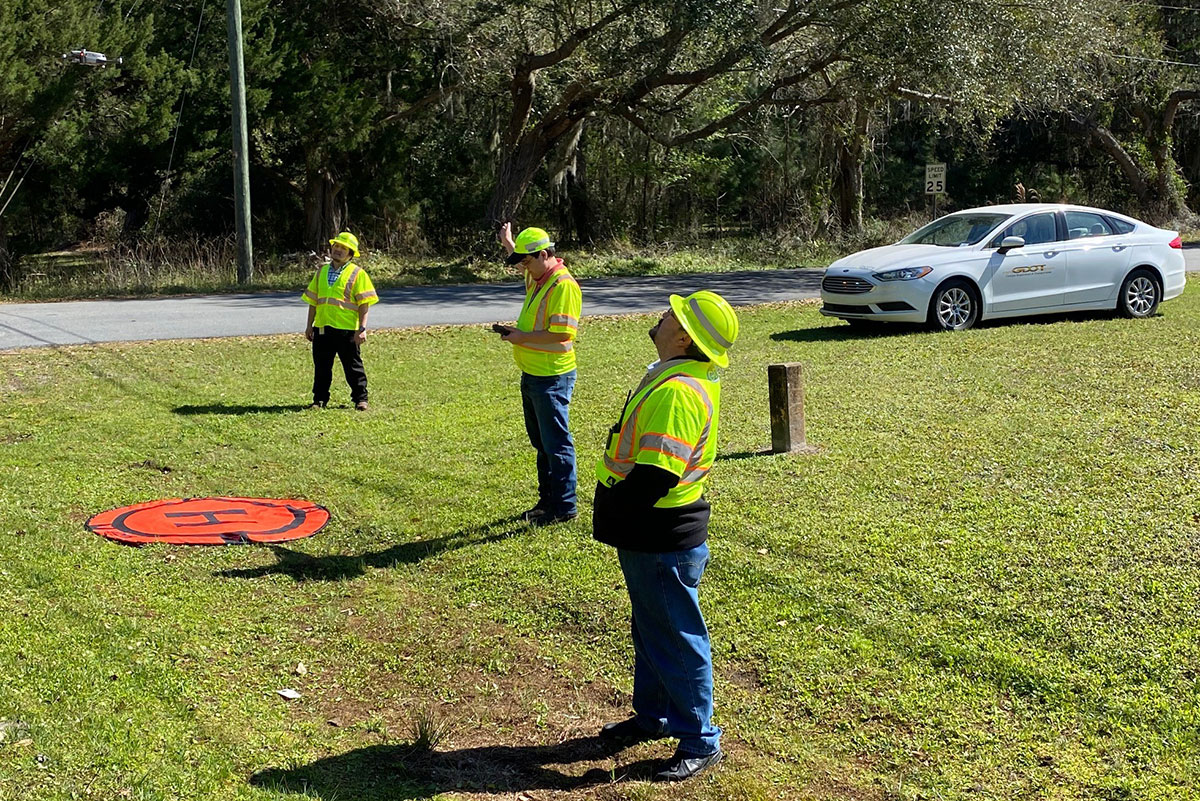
column 517, row 169
column 578, row 199
column 324, row 208
column 8, row 261
column 848, row 177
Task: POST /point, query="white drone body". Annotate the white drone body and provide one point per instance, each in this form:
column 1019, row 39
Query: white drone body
column 88, row 58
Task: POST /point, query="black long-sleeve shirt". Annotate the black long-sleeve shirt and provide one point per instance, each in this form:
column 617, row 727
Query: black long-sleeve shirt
column 624, row 515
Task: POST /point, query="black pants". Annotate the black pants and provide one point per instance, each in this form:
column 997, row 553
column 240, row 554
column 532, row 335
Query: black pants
column 327, row 343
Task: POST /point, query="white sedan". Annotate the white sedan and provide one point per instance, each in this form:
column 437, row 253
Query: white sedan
column 1007, row 261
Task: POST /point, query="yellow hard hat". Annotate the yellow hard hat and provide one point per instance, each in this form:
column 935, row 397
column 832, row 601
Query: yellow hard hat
column 348, row 239
column 529, row 241
column 709, row 320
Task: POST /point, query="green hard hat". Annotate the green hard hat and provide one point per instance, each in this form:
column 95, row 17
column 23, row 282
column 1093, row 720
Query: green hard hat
column 348, row 239
column 529, row 241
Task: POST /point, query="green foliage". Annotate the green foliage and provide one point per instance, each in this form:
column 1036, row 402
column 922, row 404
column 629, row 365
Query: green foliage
column 343, row 98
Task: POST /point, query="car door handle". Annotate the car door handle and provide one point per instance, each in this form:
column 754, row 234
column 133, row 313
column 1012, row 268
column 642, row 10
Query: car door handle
column 1049, row 254
column 1119, row 248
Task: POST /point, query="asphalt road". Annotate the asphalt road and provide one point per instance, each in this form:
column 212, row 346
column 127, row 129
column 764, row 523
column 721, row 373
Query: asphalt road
column 26, row 325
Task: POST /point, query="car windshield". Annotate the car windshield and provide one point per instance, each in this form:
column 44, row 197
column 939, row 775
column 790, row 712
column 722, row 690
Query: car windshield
column 955, row 231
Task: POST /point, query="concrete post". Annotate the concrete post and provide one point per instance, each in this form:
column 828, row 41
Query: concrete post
column 786, row 389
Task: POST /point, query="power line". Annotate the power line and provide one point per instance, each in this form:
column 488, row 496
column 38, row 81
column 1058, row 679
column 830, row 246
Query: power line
column 178, row 122
column 1171, row 8
column 1156, row 60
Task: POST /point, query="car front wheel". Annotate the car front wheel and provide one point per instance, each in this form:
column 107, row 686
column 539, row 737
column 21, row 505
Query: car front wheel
column 954, row 307
column 1140, row 294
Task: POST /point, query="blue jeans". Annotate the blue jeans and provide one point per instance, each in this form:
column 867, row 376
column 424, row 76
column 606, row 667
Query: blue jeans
column 672, row 669
column 545, row 400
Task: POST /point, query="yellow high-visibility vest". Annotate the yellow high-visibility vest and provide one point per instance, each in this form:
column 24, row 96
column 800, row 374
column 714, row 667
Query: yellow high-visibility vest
column 670, row 422
column 337, row 305
column 554, row 306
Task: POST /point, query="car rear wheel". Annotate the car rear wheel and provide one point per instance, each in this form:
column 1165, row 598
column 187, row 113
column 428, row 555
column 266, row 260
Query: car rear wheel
column 1140, row 294
column 954, row 306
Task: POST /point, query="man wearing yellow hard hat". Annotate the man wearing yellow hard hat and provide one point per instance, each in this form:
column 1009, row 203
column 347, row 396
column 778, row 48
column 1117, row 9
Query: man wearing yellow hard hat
column 650, row 506
column 338, row 298
column 544, row 348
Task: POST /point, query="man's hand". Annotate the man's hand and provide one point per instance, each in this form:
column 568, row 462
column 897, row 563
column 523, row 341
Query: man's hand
column 506, row 238
column 514, row 336
column 308, row 333
column 360, row 336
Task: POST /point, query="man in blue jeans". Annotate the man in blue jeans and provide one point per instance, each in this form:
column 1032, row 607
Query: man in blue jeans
column 544, row 348
column 650, row 506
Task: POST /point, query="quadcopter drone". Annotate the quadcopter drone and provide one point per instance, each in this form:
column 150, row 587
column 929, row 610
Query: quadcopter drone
column 88, row 58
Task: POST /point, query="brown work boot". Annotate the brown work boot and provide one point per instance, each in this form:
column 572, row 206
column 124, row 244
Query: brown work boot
column 361, row 406
column 317, row 405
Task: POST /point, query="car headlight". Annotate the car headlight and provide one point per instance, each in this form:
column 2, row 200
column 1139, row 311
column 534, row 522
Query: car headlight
column 904, row 274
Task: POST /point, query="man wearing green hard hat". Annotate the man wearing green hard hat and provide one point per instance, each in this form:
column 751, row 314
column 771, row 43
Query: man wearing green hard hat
column 544, row 348
column 338, row 297
column 650, row 506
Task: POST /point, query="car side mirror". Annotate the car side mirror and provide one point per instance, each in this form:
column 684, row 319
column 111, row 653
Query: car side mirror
column 1011, row 242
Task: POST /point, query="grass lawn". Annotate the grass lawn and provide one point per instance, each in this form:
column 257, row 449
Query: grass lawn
column 984, row 585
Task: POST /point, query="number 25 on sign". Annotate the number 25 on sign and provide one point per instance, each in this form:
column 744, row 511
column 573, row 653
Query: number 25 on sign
column 935, row 179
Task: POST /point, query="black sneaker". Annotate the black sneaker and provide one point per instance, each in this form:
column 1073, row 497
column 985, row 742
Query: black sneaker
column 536, row 511
column 685, row 766
column 544, row 517
column 628, row 732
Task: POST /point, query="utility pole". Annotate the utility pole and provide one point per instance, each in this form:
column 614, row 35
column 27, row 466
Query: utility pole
column 241, row 151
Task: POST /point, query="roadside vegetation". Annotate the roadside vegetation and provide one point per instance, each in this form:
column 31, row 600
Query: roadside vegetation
column 176, row 270
column 985, row 582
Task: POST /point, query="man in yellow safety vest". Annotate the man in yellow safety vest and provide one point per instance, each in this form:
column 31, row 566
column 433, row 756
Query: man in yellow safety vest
column 650, row 505
column 544, row 348
column 338, row 298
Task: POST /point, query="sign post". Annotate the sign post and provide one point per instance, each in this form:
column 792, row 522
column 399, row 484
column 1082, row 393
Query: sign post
column 935, row 183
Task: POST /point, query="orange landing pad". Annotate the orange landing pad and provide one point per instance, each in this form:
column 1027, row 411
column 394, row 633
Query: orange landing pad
column 211, row 521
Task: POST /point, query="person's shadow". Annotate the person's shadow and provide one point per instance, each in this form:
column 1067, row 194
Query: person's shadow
column 338, row 567
column 239, row 408
column 398, row 772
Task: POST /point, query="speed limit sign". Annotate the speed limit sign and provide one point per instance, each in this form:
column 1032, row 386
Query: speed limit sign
column 935, row 179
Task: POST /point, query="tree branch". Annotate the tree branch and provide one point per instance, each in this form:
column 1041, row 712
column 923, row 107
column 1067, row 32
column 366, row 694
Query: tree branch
column 924, row 97
column 436, row 96
column 1177, row 97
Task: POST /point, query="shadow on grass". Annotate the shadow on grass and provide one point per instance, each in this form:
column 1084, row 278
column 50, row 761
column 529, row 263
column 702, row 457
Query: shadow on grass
column 740, row 455
column 841, row 333
column 339, row 567
column 396, row 772
column 238, row 408
column 838, row 333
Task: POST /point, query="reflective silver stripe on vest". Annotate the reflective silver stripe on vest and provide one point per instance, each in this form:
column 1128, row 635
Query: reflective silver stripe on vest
column 666, row 445
column 341, row 304
column 708, row 326
column 564, row 319
column 361, row 296
column 348, row 290
column 694, row 472
column 539, row 319
column 622, row 462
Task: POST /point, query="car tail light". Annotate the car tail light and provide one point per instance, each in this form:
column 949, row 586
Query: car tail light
column 1176, row 243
